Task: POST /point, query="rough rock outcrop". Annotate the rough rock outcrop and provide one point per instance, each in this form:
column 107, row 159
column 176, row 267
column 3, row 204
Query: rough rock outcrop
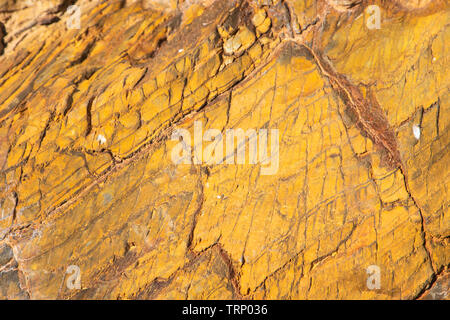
column 87, row 177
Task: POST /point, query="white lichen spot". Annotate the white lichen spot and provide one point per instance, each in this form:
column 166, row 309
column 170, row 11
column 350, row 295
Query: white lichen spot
column 231, row 45
column 416, row 131
column 101, row 139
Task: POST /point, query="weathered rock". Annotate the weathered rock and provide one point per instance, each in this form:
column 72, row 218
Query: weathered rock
column 2, row 35
column 86, row 156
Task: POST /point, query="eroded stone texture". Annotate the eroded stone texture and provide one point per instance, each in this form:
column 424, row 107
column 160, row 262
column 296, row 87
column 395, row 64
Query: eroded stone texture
column 87, row 177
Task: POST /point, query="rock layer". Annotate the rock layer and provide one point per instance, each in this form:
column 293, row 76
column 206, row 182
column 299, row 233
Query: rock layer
column 86, row 171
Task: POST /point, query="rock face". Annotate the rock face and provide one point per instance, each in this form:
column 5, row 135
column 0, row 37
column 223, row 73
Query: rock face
column 94, row 206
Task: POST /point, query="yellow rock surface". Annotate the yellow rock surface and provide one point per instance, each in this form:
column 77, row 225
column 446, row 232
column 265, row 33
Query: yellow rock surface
column 87, row 176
